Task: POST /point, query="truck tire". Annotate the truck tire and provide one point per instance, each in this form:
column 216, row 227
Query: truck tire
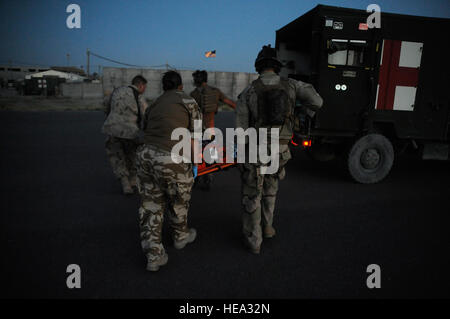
column 370, row 159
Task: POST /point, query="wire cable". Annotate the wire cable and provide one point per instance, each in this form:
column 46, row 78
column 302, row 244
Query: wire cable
column 127, row 64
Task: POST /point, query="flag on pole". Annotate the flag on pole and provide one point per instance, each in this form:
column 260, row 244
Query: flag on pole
column 210, row 54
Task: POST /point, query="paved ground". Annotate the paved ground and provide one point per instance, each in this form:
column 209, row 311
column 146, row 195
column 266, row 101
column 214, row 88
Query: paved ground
column 52, row 103
column 61, row 205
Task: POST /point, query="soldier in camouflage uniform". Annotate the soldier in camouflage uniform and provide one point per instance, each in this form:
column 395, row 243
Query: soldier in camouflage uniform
column 208, row 98
column 164, row 184
column 124, row 109
column 259, row 191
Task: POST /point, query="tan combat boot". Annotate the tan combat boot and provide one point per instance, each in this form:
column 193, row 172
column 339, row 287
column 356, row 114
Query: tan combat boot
column 126, row 187
column 269, row 231
column 161, row 261
column 252, row 248
column 189, row 239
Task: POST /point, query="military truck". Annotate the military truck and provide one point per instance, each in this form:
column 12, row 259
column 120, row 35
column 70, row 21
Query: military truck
column 385, row 89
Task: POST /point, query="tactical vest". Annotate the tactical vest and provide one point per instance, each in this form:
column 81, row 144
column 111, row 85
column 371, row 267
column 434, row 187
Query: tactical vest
column 207, row 99
column 275, row 107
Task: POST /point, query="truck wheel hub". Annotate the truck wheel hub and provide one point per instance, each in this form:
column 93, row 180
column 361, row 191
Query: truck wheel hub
column 370, row 158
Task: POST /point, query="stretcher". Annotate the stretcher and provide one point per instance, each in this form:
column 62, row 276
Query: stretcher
column 211, row 152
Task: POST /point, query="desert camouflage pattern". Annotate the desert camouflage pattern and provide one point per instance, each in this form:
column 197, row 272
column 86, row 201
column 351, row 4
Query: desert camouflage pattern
column 259, row 193
column 247, row 104
column 162, row 185
column 122, row 119
column 194, row 110
column 121, row 153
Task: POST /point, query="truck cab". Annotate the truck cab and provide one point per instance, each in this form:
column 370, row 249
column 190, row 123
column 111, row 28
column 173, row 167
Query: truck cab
column 383, row 88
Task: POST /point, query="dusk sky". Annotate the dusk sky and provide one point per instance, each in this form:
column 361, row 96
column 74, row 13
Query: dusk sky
column 152, row 33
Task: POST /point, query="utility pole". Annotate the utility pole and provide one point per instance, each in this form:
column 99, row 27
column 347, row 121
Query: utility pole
column 87, row 67
column 68, row 59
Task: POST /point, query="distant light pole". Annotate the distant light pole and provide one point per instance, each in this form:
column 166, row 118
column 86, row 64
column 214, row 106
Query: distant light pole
column 68, row 59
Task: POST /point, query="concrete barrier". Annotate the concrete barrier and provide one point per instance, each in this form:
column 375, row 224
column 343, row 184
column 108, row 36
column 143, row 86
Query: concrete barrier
column 240, row 82
column 73, row 90
column 82, row 90
column 92, row 90
column 188, row 83
column 112, row 78
column 230, row 83
column 154, row 85
column 224, row 81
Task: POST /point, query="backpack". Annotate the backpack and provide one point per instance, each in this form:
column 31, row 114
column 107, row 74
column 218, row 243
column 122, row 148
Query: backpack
column 274, row 104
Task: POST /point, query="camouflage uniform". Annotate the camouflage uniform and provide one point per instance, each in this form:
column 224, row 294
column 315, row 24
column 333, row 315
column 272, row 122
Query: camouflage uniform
column 259, row 190
column 121, row 153
column 164, row 184
column 122, row 130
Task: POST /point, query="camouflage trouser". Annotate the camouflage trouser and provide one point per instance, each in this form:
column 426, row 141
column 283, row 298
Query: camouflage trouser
column 259, row 193
column 162, row 184
column 121, row 153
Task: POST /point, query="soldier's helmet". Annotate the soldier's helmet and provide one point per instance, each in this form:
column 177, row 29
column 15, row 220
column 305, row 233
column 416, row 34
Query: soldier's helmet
column 267, row 58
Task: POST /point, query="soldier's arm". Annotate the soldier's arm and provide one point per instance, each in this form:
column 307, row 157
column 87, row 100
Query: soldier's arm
column 230, row 103
column 307, row 95
column 194, row 125
column 226, row 100
column 143, row 104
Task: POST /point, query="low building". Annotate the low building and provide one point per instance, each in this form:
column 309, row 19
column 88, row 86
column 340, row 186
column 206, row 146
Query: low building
column 10, row 74
column 69, row 69
column 47, row 82
column 69, row 77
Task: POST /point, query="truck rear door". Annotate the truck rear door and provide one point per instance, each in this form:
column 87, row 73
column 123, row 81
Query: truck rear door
column 345, row 71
